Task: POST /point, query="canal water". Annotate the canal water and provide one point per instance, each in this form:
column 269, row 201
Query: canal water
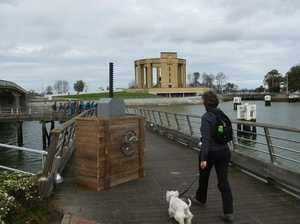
column 32, row 138
column 279, row 113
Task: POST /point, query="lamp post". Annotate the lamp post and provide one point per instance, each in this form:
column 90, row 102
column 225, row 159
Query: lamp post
column 287, row 84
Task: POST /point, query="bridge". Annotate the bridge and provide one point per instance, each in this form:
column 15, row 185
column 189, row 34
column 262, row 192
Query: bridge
column 171, row 164
column 18, row 115
column 12, row 95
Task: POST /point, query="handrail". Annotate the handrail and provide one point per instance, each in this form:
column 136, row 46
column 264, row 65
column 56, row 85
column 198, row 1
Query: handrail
column 35, row 151
column 60, row 149
column 265, row 150
column 190, row 125
column 11, row 114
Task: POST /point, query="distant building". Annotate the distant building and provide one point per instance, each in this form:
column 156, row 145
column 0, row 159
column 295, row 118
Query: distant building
column 170, row 72
column 165, row 76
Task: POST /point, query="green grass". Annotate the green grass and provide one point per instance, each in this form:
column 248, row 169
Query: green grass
column 96, row 96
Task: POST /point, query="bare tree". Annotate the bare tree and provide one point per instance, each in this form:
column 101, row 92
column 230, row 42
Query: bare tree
column 221, row 80
column 208, row 79
column 131, row 85
column 194, row 79
column 58, row 86
column 61, row 86
column 65, row 86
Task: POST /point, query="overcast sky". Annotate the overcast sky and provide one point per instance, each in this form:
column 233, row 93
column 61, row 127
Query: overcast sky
column 45, row 41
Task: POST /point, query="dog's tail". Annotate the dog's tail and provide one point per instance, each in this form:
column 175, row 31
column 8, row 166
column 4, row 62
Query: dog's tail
column 186, row 210
column 190, row 203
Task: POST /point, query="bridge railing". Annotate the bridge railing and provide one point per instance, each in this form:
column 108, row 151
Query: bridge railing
column 7, row 114
column 60, row 149
column 270, row 152
column 23, row 149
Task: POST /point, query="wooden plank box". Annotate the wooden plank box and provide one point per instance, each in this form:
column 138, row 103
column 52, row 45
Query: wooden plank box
column 106, row 151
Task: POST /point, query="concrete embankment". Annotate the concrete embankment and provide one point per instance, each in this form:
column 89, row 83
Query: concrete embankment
column 46, row 104
column 132, row 102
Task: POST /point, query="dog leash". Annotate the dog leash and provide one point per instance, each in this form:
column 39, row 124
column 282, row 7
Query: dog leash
column 189, row 187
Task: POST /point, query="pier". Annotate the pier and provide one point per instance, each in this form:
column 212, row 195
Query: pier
column 171, row 157
column 172, row 166
column 44, row 116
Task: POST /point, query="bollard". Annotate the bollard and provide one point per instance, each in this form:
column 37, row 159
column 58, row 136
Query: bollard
column 246, row 112
column 236, row 101
column 267, row 100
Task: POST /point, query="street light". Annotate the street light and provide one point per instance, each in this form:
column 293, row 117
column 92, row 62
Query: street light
column 287, row 84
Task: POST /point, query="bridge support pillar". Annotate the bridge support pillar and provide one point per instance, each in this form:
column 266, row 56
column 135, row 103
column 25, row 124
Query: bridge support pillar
column 45, row 135
column 20, row 133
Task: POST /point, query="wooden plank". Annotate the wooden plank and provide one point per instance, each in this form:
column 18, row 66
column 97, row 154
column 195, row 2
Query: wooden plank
column 107, row 154
column 124, row 177
column 100, row 174
column 124, row 166
column 86, row 128
column 90, row 153
column 91, row 183
column 83, row 137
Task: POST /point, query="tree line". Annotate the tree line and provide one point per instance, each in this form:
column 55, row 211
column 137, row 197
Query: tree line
column 274, row 81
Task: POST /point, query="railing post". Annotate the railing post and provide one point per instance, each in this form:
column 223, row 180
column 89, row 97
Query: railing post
column 169, row 126
column 12, row 111
column 153, row 116
column 161, row 121
column 269, row 144
column 149, row 115
column 177, row 123
column 190, row 125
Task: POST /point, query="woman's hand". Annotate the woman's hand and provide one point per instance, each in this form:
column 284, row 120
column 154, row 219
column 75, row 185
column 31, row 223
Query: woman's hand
column 203, row 164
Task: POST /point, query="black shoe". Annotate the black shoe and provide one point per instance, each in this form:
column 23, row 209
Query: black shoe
column 194, row 200
column 228, row 217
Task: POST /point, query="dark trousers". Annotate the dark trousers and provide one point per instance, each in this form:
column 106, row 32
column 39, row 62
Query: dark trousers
column 220, row 159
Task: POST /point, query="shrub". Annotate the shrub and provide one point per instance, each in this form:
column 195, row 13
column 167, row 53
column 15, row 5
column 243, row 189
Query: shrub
column 19, row 198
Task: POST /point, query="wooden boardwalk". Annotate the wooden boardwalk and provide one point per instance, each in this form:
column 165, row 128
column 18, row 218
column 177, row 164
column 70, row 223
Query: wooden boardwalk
column 171, row 166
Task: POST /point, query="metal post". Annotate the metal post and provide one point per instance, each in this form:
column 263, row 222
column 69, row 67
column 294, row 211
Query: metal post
column 111, row 80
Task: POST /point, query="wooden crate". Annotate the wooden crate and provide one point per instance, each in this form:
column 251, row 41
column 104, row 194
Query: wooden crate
column 99, row 160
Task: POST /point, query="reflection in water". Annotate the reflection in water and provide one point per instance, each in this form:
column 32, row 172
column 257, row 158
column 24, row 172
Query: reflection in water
column 8, row 133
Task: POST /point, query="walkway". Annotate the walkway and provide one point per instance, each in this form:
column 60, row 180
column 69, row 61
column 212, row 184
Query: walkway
column 171, row 166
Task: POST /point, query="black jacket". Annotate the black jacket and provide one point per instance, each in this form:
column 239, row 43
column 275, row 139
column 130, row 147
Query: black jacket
column 208, row 130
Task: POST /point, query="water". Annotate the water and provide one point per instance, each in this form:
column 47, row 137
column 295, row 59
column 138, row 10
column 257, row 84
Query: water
column 279, row 113
column 32, row 138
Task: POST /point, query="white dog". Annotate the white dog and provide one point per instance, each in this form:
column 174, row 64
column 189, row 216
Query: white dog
column 178, row 209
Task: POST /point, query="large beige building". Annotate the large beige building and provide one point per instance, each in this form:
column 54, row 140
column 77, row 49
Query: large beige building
column 165, row 76
column 168, row 71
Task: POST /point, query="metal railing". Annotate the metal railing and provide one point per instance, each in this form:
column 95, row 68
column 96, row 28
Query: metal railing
column 60, row 149
column 268, row 151
column 23, row 149
column 9, row 114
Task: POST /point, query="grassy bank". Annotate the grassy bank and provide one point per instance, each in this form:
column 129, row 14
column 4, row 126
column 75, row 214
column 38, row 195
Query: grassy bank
column 96, row 96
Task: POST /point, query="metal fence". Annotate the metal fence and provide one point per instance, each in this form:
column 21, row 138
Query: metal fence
column 268, row 151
